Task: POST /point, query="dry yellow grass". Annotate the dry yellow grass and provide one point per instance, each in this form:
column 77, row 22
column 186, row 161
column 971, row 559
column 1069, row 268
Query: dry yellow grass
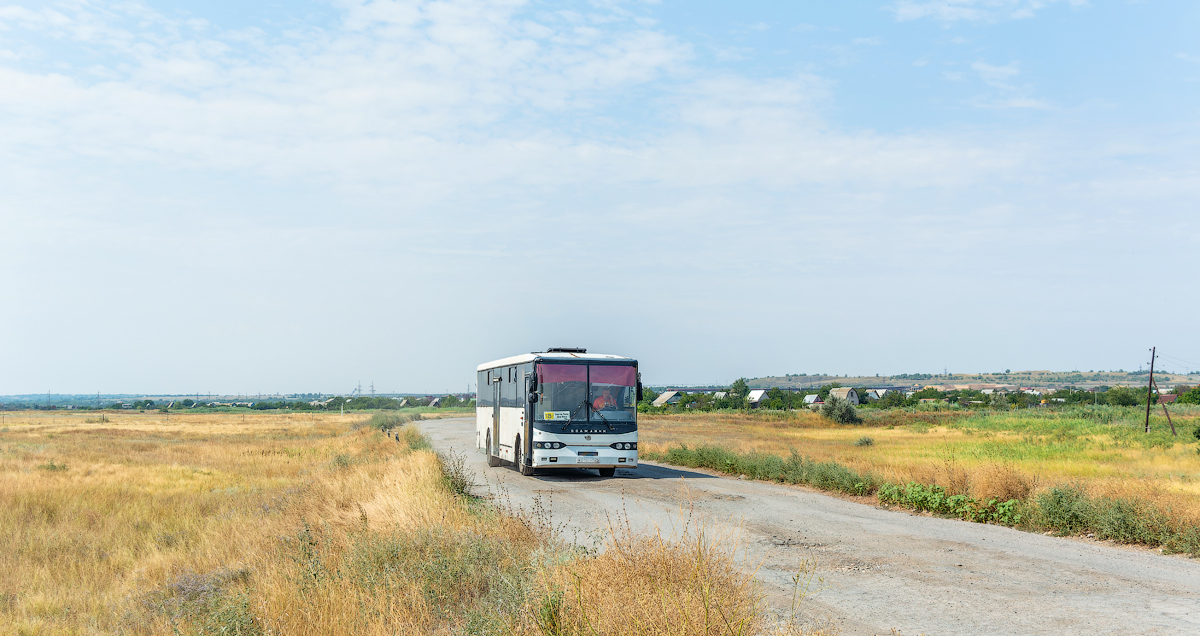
column 969, row 455
column 102, row 513
column 301, row 524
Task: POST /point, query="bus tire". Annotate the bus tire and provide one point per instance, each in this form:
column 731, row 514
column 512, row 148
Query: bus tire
column 607, row 472
column 525, row 470
column 520, row 455
column 493, row 461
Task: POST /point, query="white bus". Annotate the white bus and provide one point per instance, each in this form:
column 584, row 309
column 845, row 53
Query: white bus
column 562, row 408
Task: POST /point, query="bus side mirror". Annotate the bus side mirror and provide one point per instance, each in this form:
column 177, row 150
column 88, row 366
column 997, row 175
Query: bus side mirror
column 532, row 398
column 639, row 392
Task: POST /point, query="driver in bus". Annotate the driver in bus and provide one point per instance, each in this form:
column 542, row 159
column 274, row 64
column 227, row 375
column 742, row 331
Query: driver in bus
column 605, row 401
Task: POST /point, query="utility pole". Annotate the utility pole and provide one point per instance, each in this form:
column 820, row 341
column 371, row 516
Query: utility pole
column 1149, row 387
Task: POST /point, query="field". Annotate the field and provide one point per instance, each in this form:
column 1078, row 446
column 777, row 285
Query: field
column 1003, row 455
column 263, row 523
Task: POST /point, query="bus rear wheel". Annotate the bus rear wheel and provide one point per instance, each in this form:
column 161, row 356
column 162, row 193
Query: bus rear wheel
column 493, row 461
column 607, row 472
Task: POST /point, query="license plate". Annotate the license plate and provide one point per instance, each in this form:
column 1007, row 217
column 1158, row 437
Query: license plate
column 589, row 460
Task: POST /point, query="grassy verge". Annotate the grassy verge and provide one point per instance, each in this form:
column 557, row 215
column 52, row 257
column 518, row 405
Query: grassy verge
column 212, row 524
column 1064, row 509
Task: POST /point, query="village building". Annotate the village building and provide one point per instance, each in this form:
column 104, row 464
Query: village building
column 667, row 397
column 846, row 393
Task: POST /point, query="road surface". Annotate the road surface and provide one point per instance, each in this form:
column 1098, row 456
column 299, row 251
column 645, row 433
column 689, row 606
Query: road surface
column 881, row 569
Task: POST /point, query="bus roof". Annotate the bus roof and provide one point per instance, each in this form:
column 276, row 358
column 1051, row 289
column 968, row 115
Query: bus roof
column 556, row 355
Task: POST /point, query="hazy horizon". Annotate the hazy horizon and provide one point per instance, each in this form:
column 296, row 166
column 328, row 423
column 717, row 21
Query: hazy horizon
column 312, row 194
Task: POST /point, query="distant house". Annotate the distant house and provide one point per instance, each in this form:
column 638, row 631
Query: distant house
column 1167, row 399
column 813, row 399
column 404, row 402
column 435, row 402
column 877, row 394
column 757, row 398
column 846, row 393
column 667, row 397
column 719, row 395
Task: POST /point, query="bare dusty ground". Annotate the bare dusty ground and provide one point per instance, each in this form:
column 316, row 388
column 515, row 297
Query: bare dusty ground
column 881, row 569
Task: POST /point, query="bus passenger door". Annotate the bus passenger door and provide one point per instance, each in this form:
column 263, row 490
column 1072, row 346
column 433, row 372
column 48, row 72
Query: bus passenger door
column 495, row 449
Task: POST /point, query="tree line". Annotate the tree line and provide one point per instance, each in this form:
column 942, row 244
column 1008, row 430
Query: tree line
column 737, row 398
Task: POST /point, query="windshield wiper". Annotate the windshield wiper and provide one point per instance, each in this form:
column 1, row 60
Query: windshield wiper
column 604, row 419
column 597, row 412
column 571, row 417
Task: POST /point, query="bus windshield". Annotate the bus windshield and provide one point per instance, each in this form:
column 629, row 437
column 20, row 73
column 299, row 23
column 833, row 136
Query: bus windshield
column 582, row 393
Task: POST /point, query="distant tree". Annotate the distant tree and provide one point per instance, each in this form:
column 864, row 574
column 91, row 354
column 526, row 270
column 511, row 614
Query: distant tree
column 891, row 399
column 1122, row 396
column 187, row 402
column 739, row 389
column 1191, row 397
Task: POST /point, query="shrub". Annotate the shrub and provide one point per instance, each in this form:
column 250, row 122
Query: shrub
column 840, row 411
column 1196, row 433
column 1064, row 509
column 459, row 479
column 797, row 469
column 864, row 441
column 935, row 499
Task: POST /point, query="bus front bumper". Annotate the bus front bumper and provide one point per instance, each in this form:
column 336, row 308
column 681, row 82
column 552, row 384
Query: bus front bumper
column 581, row 458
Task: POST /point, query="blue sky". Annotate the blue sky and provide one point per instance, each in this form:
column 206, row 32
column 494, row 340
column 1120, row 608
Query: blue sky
column 205, row 196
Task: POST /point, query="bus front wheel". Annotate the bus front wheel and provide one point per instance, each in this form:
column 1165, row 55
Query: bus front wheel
column 493, row 461
column 520, row 455
column 607, row 472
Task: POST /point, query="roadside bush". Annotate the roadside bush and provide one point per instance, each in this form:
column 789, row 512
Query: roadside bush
column 935, row 499
column 458, row 477
column 1064, row 509
column 864, row 441
column 840, row 411
column 797, row 469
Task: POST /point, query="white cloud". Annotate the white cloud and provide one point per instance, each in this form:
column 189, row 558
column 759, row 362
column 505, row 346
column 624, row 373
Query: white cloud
column 1193, row 59
column 974, row 10
column 997, row 76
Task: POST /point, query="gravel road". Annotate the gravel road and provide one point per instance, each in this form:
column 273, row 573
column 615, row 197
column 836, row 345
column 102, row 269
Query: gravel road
column 881, row 569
